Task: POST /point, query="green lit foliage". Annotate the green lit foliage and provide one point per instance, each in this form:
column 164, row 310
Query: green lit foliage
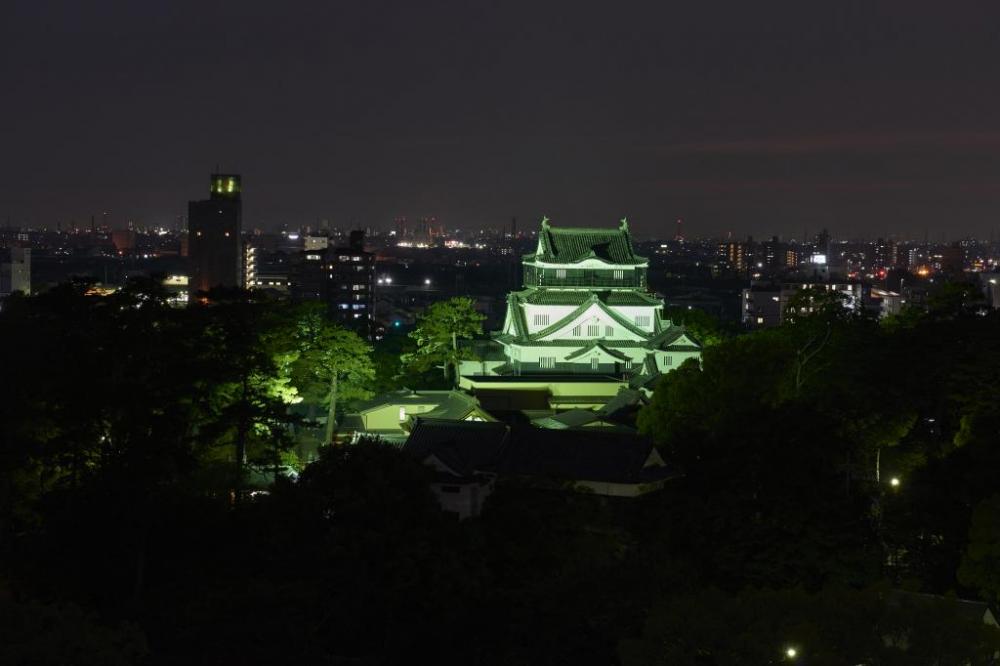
column 705, row 328
column 733, row 378
column 331, row 363
column 437, row 334
column 245, row 351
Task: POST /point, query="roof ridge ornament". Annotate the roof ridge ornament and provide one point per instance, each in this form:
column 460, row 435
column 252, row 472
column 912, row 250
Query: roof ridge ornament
column 545, row 222
column 624, row 224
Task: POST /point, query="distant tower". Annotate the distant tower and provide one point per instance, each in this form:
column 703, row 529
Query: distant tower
column 215, row 227
column 679, row 236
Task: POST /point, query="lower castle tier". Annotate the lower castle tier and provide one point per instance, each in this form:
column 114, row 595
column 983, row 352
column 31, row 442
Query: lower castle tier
column 584, row 310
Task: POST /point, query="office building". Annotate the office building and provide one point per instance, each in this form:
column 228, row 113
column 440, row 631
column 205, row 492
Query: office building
column 15, row 271
column 350, row 287
column 215, row 227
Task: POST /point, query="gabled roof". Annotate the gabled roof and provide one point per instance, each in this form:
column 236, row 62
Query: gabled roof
column 626, row 399
column 465, row 447
column 573, row 245
column 672, row 339
column 570, row 455
column 549, row 296
column 583, row 307
column 515, row 313
column 580, row 418
column 597, row 344
column 581, row 455
column 573, row 418
column 447, row 403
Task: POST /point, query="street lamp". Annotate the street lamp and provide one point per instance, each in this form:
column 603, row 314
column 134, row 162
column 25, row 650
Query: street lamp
column 894, row 482
column 791, row 652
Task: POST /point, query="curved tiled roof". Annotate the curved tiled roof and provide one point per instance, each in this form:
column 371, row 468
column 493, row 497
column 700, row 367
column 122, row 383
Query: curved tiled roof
column 570, row 245
column 537, row 296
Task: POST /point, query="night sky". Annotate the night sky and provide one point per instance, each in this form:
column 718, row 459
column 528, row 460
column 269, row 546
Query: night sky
column 869, row 118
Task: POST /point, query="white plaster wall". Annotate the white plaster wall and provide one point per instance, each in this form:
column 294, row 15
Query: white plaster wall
column 593, row 314
column 630, row 312
column 555, row 312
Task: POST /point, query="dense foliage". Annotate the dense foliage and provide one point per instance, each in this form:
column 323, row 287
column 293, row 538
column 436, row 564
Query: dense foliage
column 437, row 334
column 132, row 435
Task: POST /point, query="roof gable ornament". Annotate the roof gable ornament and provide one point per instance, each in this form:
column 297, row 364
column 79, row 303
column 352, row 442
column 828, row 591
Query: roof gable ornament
column 624, row 224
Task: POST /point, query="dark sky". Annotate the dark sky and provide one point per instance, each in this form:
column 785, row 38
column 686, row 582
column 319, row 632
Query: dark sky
column 756, row 117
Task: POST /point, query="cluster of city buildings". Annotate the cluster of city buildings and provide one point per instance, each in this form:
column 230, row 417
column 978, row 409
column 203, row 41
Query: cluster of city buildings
column 580, row 318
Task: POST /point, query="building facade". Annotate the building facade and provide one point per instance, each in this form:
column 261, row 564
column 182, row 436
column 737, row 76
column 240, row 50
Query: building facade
column 15, row 271
column 215, row 228
column 585, row 311
column 350, row 288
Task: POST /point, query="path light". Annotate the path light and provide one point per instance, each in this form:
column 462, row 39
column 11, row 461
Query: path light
column 791, row 652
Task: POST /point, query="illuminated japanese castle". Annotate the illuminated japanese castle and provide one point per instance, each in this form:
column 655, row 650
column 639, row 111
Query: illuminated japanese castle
column 583, row 325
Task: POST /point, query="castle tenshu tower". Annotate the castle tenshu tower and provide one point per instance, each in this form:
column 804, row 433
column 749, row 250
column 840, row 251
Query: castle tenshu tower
column 585, row 310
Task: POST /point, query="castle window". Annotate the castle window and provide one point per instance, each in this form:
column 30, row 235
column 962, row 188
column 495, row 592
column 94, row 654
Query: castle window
column 593, row 330
column 560, row 272
column 595, row 363
column 547, row 362
column 576, row 331
column 642, row 320
column 619, row 274
column 668, row 360
column 541, row 320
column 609, row 331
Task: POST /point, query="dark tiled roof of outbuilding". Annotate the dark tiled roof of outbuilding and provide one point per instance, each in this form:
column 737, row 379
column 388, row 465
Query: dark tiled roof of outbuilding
column 448, row 403
column 580, row 455
column 598, row 344
column 467, row 447
column 464, row 446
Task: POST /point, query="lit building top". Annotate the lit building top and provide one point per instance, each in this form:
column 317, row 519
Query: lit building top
column 579, row 258
column 225, row 185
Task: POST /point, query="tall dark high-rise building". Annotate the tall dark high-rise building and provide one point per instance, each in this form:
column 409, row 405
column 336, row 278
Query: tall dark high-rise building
column 15, row 270
column 215, row 227
column 343, row 277
column 351, row 285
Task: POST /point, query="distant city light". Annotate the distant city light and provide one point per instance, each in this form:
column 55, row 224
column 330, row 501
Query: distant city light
column 791, row 653
column 894, row 482
column 427, row 281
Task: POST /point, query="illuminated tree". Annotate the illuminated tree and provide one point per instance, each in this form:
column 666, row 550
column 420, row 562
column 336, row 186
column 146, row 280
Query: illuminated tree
column 331, row 364
column 437, row 334
column 246, row 352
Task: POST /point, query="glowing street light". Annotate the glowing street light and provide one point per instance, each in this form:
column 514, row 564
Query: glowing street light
column 791, row 652
column 427, row 281
column 894, row 482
